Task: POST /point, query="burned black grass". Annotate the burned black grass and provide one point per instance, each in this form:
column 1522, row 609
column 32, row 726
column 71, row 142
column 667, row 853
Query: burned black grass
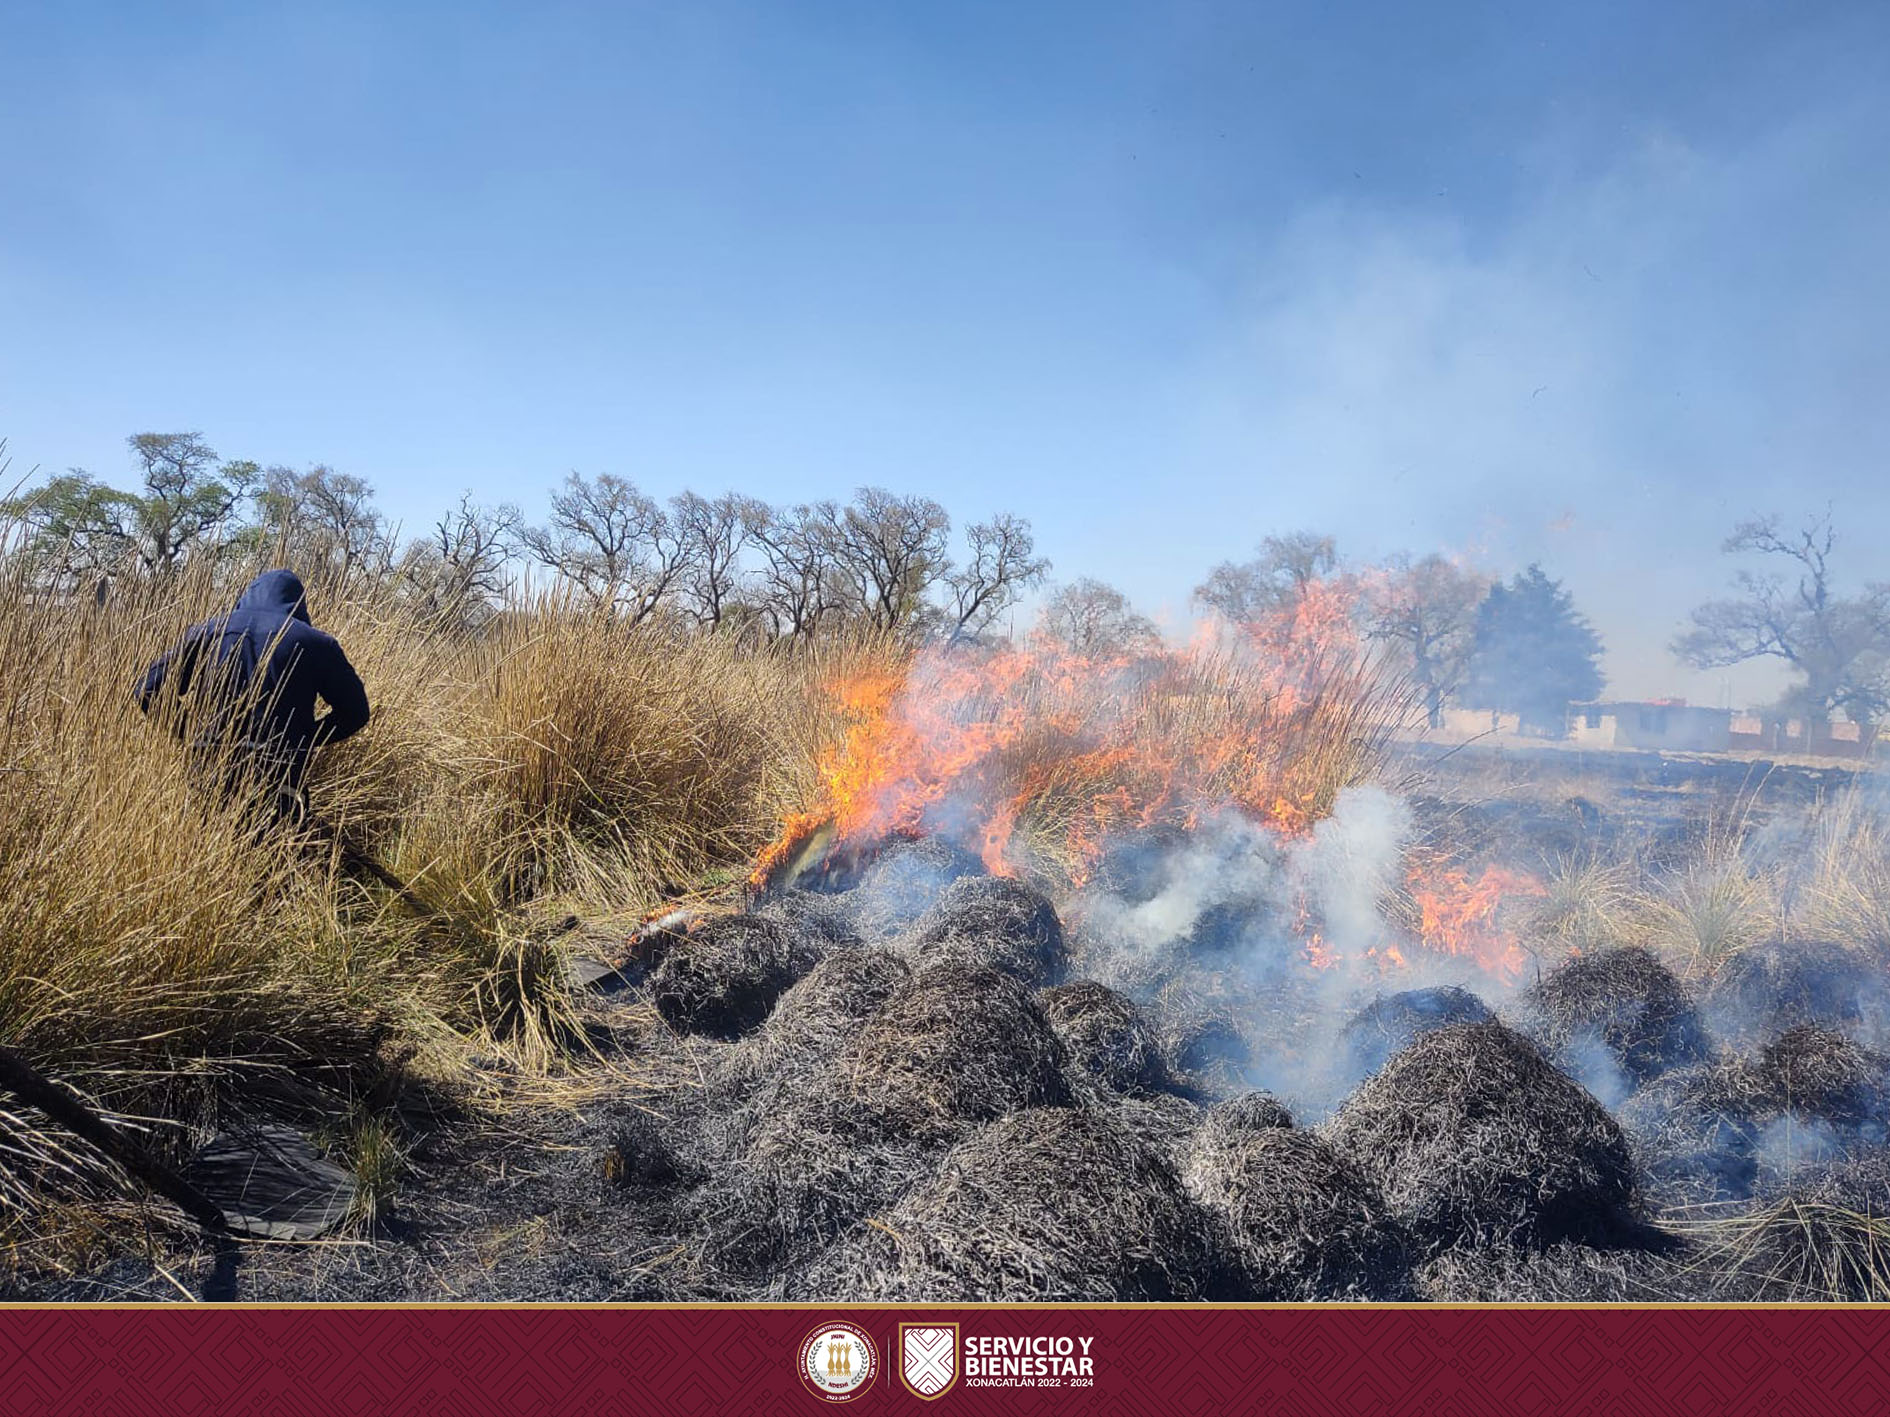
column 1108, row 1041
column 1045, row 1204
column 1474, row 1137
column 1623, row 1000
column 1302, row 1222
column 996, row 922
column 724, row 976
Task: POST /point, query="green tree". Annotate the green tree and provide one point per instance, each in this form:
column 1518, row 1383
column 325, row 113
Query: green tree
column 77, row 529
column 188, row 497
column 1532, row 653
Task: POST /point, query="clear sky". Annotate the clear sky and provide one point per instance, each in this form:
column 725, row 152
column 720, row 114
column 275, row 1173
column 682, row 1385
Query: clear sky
column 1577, row 283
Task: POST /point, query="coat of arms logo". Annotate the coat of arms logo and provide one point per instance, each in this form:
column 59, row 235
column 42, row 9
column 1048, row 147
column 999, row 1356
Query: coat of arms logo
column 928, row 1359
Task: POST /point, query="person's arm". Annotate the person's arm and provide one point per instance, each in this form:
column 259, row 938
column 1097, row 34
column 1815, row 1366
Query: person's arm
column 153, row 681
column 341, row 689
column 185, row 658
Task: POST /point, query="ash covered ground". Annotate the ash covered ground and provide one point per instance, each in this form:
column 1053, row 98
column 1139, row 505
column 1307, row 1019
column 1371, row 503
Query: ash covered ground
column 1209, row 1073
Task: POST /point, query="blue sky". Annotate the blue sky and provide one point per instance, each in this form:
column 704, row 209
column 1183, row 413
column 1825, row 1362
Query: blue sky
column 1581, row 283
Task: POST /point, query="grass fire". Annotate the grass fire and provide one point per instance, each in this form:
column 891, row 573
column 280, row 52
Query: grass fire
column 636, row 956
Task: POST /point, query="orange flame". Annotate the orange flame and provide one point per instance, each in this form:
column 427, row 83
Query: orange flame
column 1458, row 916
column 977, row 745
column 1034, row 754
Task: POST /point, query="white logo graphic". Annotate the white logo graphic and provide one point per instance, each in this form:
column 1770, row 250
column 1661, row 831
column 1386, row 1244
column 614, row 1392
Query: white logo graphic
column 928, row 1359
column 838, row 1362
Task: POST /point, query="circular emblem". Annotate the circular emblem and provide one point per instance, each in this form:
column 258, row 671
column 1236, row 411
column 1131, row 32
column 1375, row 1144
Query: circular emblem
column 838, row 1362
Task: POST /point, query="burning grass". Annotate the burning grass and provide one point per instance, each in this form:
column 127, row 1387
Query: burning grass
column 1035, row 758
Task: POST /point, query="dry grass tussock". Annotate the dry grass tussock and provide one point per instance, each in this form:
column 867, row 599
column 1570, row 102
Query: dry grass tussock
column 1846, row 892
column 1587, row 903
column 161, row 956
column 1721, row 903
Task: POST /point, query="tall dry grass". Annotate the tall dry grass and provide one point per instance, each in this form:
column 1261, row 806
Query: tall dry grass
column 160, row 956
column 153, row 953
column 1845, row 894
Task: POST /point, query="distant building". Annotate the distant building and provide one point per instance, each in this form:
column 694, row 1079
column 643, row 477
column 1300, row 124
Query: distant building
column 1670, row 724
column 1475, row 723
column 1772, row 733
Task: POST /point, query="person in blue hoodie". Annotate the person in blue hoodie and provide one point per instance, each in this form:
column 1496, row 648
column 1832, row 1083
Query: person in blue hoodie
column 246, row 689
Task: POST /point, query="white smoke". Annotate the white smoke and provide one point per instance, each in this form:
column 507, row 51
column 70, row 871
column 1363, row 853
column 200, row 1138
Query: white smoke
column 1337, row 875
column 1344, row 870
column 1229, row 859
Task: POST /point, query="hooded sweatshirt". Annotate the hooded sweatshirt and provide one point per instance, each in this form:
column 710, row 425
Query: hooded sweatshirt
column 255, row 675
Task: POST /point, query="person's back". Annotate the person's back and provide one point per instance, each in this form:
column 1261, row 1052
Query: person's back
column 250, row 682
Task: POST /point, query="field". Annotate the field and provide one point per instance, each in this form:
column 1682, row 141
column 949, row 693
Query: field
column 712, row 970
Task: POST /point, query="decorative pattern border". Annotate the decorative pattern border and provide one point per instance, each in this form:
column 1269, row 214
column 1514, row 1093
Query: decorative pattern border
column 1295, row 1362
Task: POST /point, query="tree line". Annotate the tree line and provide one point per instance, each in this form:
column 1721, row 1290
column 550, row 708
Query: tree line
column 881, row 560
column 888, row 562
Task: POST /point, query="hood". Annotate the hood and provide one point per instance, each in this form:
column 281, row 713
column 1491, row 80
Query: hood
column 279, row 591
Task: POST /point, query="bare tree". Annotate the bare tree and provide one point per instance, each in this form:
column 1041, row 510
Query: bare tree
column 325, row 524
column 617, row 546
column 1093, row 619
column 1427, row 610
column 1002, row 566
column 889, row 552
column 1274, row 580
column 713, row 535
column 1838, row 646
column 794, row 579
column 459, row 573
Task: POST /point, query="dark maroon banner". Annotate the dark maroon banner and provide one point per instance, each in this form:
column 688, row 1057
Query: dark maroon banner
column 323, row 1361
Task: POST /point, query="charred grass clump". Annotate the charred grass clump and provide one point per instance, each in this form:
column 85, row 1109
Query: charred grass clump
column 1044, row 1204
column 1565, row 1273
column 724, row 975
column 1474, row 1137
column 1696, row 1133
column 958, row 1044
column 805, row 1159
column 819, row 1016
column 1302, row 1222
column 1818, row 1072
column 1227, row 1126
column 1712, row 1133
column 1624, row 1000
column 996, row 922
column 1105, row 1037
